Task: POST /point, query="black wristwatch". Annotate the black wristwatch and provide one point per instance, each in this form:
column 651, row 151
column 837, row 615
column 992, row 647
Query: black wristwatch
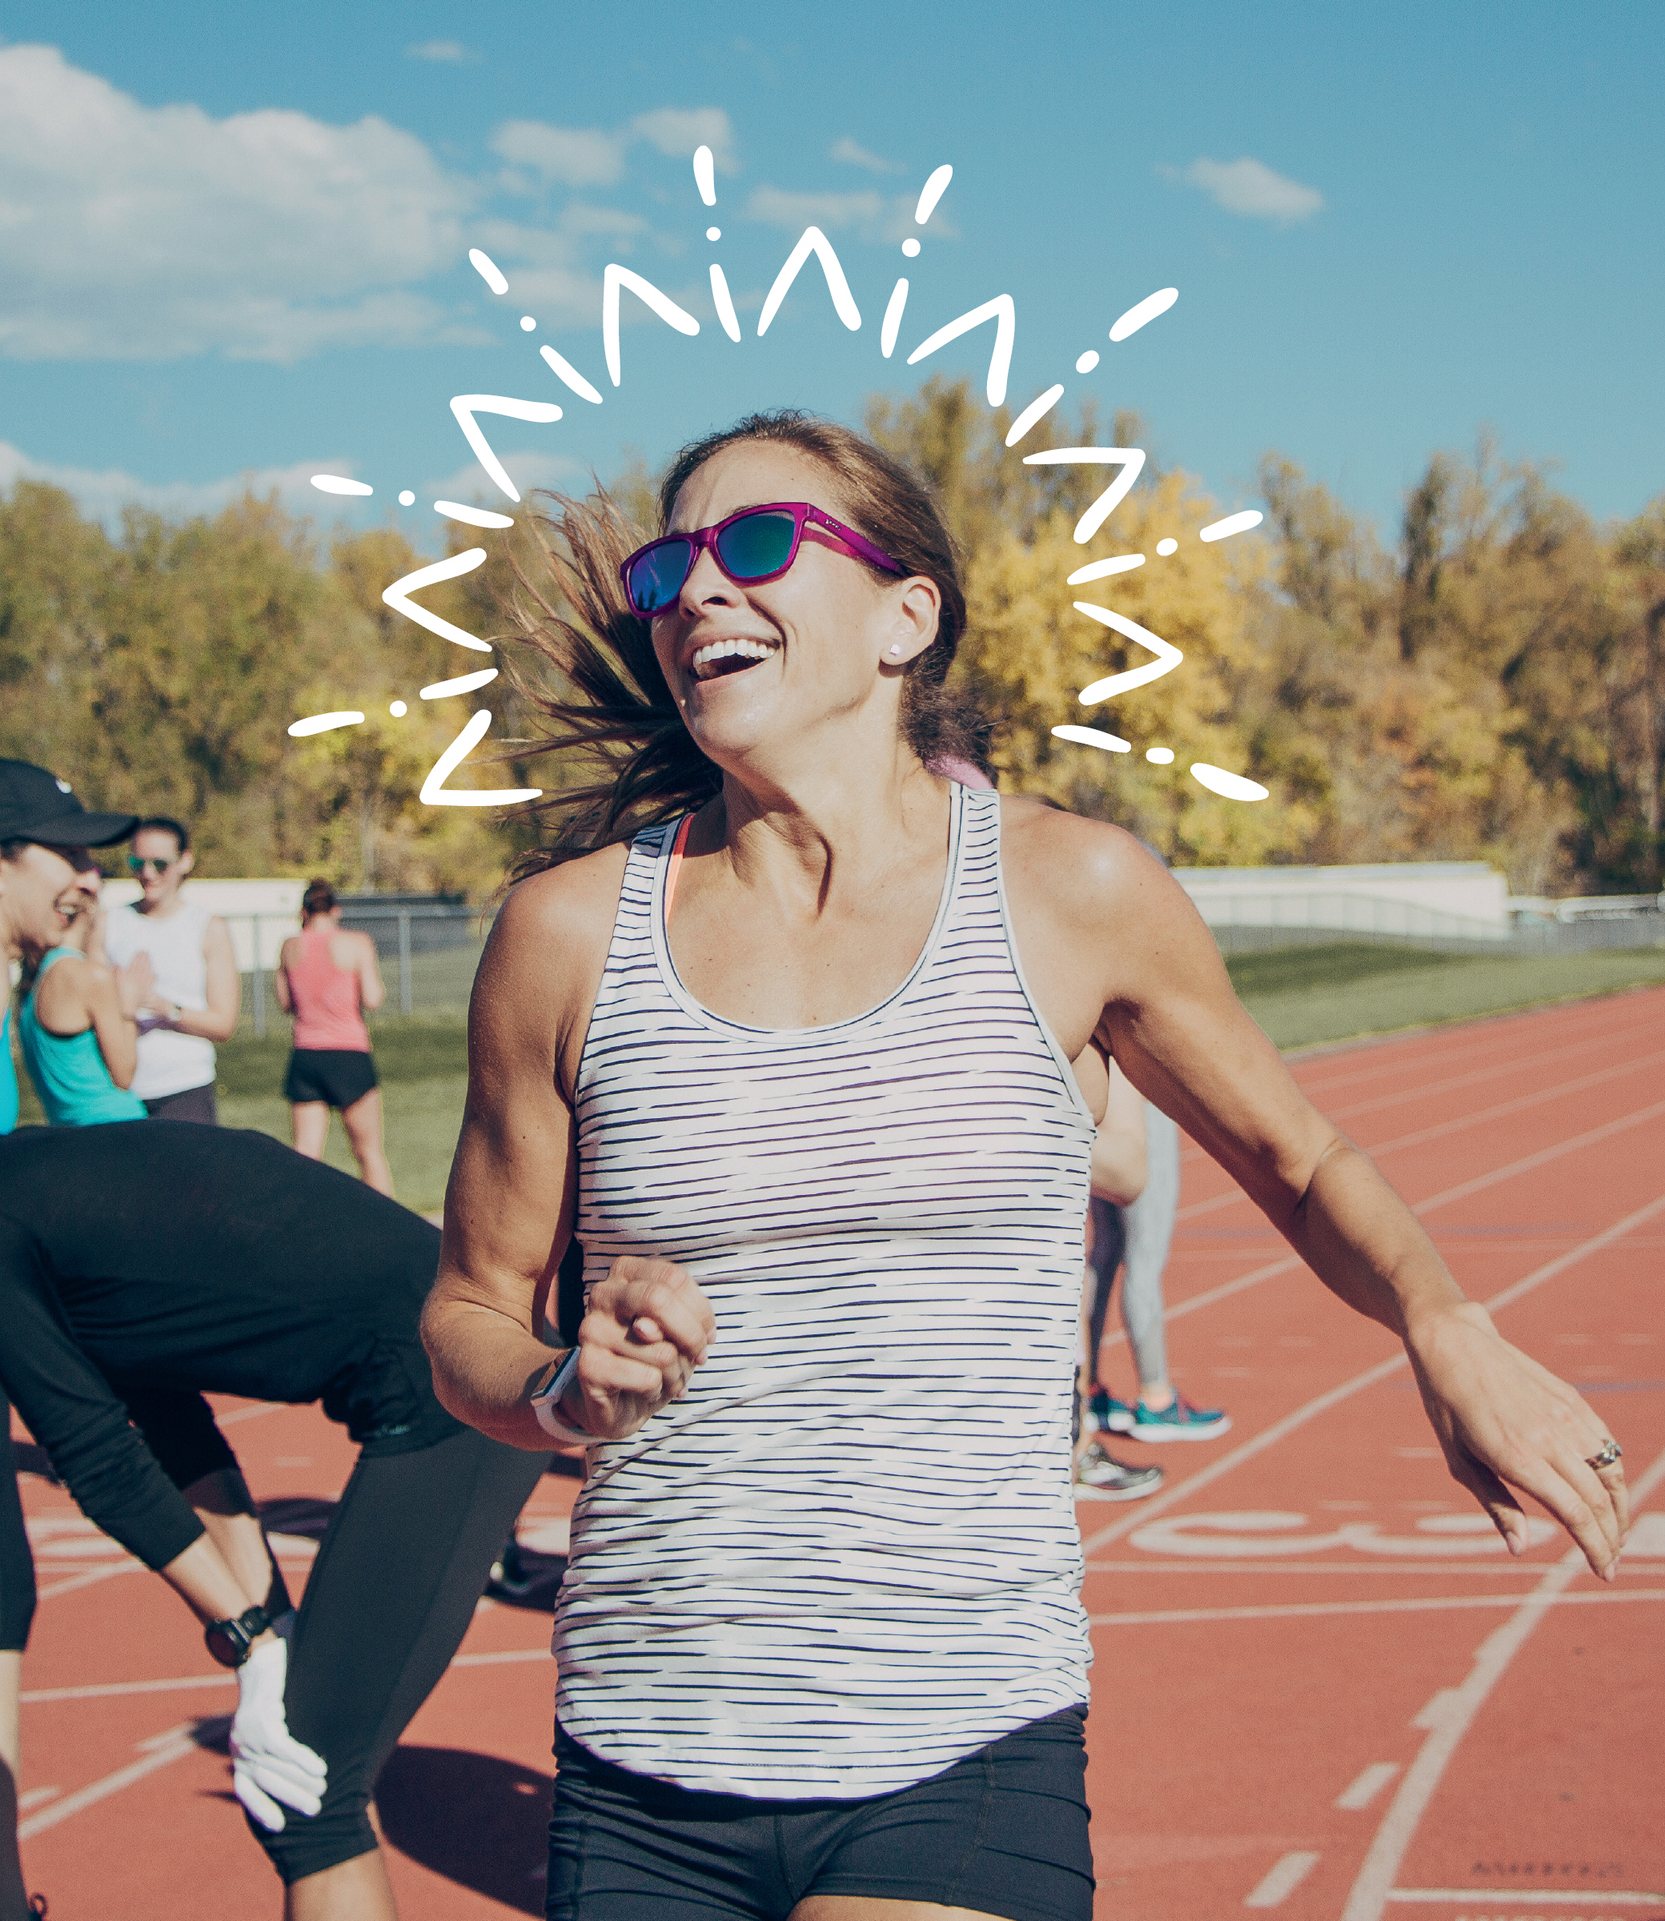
column 229, row 1641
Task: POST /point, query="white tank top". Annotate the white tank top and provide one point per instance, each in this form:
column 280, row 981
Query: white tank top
column 849, row 1557
column 169, row 1062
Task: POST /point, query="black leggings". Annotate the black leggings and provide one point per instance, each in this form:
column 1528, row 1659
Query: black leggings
column 17, row 1564
column 391, row 1595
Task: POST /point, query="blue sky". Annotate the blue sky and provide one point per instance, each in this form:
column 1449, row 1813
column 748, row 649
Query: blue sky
column 234, row 242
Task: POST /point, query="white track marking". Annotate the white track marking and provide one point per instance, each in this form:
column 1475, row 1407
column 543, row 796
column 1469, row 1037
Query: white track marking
column 99, row 1690
column 1368, row 1785
column 1374, row 1886
column 1322, row 1403
column 504, row 1656
column 1318, row 1610
column 1282, row 1881
column 1475, row 1119
column 35, row 1797
column 160, row 1751
column 87, row 1578
column 251, row 1413
column 1503, row 1897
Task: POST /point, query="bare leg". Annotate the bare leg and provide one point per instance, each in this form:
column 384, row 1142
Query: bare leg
column 363, row 1122
column 14, row 1905
column 356, row 1890
column 311, row 1122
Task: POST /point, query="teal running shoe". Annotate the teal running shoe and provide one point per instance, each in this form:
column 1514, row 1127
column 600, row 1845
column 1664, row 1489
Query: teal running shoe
column 1179, row 1421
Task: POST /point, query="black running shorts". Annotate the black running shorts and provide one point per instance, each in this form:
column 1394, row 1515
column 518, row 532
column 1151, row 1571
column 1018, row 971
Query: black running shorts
column 337, row 1076
column 1003, row 1832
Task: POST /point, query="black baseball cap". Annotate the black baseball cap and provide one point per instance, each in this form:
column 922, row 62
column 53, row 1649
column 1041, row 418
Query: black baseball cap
column 38, row 806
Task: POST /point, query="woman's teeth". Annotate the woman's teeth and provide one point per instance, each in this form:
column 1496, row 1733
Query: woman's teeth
column 729, row 656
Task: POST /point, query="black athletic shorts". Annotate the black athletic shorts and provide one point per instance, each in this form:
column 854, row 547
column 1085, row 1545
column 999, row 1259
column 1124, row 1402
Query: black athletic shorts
column 190, row 1104
column 1003, row 1832
column 337, row 1076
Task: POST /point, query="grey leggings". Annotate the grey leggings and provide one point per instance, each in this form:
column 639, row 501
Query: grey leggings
column 1146, row 1229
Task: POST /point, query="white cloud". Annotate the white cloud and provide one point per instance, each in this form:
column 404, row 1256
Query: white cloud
column 851, row 155
column 133, row 232
column 450, row 53
column 1248, row 187
column 104, row 493
column 874, row 216
column 573, row 156
column 590, row 157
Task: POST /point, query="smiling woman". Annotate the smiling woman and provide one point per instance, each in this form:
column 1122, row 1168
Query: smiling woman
column 803, row 1070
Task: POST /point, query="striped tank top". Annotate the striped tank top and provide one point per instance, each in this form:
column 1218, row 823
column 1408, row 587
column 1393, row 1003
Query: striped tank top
column 848, row 1557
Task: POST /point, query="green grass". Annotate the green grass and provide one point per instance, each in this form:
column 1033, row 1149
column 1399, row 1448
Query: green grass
column 1337, row 964
column 1423, row 991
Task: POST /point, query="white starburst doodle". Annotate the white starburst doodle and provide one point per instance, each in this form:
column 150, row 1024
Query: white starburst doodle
column 999, row 312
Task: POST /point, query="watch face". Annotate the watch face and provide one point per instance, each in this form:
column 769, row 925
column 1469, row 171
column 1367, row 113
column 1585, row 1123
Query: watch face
column 226, row 1644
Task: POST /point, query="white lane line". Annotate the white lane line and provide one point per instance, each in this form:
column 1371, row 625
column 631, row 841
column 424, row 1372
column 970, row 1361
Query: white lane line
column 1282, row 1881
column 160, row 1751
column 1374, row 1886
column 1419, row 1604
column 507, row 1654
column 35, row 1797
column 253, row 1413
column 91, row 1575
column 1501, row 1897
column 1533, row 1064
column 1525, row 1165
column 1368, row 1785
column 1332, row 1397
column 102, row 1690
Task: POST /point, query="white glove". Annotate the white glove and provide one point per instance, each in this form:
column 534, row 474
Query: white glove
column 268, row 1764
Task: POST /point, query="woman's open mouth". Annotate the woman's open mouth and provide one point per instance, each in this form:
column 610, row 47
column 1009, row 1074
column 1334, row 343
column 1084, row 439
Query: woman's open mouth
column 732, row 656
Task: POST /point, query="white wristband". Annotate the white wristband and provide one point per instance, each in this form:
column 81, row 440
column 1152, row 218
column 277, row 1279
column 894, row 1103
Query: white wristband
column 546, row 1403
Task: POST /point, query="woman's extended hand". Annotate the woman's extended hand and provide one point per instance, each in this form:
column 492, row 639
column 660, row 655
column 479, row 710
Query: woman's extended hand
column 1501, row 1418
column 645, row 1330
column 136, row 985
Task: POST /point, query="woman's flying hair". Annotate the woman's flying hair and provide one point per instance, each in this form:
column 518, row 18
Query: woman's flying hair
column 612, row 703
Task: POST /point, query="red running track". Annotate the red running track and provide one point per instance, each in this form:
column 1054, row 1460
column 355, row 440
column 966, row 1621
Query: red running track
column 1321, row 1684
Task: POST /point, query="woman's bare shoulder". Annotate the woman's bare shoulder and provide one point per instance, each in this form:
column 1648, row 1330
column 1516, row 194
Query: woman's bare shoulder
column 1071, row 859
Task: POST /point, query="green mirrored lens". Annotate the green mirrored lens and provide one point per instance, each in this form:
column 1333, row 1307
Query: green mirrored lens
column 756, row 545
column 656, row 578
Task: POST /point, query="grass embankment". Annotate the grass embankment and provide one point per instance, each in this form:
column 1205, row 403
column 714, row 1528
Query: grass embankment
column 1301, row 996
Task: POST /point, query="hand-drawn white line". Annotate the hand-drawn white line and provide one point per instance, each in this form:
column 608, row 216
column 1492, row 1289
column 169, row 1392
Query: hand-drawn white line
column 1232, row 524
column 160, row 1751
column 1229, row 786
column 1102, row 569
column 528, row 324
column 466, row 406
column 472, row 516
column 713, row 233
column 1167, row 546
column 1167, row 659
column 893, row 316
column 1147, row 310
column 1041, row 405
column 1281, row 1881
column 812, row 240
column 1085, row 363
column 397, row 709
column 705, row 175
column 323, row 723
column 910, row 248
column 723, row 300
column 434, row 792
column 1003, row 312
column 488, row 270
column 1131, row 460
column 398, row 596
column 339, row 484
column 931, row 193
column 407, row 498
column 662, row 304
column 566, row 372
column 1163, row 756
column 1094, row 737
column 463, row 684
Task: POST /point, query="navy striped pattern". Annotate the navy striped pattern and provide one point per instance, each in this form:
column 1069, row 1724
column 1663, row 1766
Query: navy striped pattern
column 849, row 1556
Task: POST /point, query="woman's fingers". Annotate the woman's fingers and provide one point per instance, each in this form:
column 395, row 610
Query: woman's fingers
column 1502, row 1507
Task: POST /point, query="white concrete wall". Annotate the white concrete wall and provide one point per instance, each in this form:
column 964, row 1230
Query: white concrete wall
column 1422, row 897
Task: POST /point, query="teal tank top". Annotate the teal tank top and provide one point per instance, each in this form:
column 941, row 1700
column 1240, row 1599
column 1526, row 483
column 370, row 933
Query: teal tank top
column 8, row 1074
column 69, row 1073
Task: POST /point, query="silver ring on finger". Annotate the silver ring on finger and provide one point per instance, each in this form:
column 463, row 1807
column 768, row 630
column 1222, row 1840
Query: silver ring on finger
column 1605, row 1455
